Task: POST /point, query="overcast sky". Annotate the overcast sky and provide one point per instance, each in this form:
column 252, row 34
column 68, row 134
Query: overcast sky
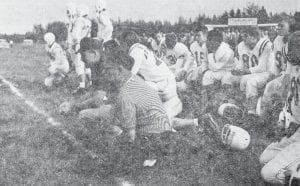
column 19, row 16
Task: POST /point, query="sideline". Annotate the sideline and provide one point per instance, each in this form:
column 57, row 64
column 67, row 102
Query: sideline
column 50, row 119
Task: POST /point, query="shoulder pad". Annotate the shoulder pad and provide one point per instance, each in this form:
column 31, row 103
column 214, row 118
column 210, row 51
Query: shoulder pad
column 263, row 46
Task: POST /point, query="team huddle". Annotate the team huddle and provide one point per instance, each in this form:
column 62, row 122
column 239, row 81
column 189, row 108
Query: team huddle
column 135, row 88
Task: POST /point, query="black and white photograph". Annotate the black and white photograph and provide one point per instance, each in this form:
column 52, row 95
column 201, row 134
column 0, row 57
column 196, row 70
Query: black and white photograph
column 150, row 92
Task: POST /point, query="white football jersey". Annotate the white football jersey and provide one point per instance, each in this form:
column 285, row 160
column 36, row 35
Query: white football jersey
column 105, row 27
column 82, row 28
column 57, row 55
column 181, row 57
column 147, row 64
column 256, row 60
column 70, row 38
column 222, row 59
column 280, row 62
column 199, row 53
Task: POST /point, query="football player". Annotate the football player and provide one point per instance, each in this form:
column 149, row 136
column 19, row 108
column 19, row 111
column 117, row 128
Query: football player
column 199, row 51
column 284, row 156
column 157, row 75
column 82, row 28
column 105, row 27
column 253, row 69
column 280, row 69
column 198, row 47
column 59, row 65
column 72, row 16
column 180, row 60
column 220, row 60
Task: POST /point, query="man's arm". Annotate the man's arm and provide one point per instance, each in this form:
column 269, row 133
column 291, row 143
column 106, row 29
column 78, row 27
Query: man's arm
column 89, row 100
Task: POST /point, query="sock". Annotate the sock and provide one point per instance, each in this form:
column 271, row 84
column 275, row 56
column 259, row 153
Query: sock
column 82, row 84
column 196, row 122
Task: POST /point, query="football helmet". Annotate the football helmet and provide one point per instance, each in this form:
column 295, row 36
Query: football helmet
column 236, row 137
column 100, row 6
column 49, row 38
column 71, row 11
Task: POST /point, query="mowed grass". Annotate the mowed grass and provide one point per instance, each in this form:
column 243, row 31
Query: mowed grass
column 35, row 153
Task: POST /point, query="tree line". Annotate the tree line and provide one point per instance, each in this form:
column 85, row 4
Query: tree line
column 182, row 25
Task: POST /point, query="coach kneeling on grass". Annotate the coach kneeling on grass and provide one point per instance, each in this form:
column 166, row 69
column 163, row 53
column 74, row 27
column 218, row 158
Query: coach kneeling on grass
column 93, row 107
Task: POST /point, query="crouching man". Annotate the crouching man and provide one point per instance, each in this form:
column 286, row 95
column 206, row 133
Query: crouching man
column 93, row 107
column 281, row 159
column 253, row 69
column 59, row 65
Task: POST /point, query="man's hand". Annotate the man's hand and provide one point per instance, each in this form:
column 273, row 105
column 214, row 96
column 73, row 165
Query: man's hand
column 65, row 107
column 240, row 72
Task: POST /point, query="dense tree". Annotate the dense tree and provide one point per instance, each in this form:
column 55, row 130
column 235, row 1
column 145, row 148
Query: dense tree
column 231, row 13
column 38, row 32
column 59, row 29
column 263, row 15
column 238, row 13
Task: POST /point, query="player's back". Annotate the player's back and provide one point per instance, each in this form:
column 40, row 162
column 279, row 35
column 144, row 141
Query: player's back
column 105, row 27
column 82, row 28
column 57, row 54
column 150, row 112
column 147, row 64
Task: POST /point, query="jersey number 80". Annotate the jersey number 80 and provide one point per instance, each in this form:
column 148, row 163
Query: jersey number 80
column 250, row 62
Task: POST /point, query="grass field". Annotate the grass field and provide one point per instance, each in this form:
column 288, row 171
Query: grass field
column 35, row 153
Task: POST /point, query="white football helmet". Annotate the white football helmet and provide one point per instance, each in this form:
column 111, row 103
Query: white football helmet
column 83, row 10
column 236, row 137
column 100, row 6
column 71, row 11
column 49, row 38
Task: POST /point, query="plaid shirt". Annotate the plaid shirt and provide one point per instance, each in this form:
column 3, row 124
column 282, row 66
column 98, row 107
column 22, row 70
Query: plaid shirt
column 139, row 107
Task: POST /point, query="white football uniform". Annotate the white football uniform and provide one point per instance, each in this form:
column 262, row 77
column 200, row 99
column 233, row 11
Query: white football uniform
column 58, row 59
column 199, row 53
column 105, row 27
column 259, row 63
column 70, row 38
column 82, row 28
column 280, row 68
column 59, row 65
column 157, row 75
column 180, row 59
column 220, row 65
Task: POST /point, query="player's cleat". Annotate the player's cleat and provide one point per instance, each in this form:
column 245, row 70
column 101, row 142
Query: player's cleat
column 230, row 111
